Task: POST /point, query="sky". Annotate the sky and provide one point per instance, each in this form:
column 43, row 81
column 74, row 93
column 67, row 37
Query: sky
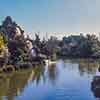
column 71, row 16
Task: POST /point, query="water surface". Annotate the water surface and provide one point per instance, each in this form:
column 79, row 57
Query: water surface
column 64, row 80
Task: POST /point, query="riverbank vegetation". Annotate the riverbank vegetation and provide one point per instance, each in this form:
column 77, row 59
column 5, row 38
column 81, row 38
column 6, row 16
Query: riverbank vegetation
column 15, row 48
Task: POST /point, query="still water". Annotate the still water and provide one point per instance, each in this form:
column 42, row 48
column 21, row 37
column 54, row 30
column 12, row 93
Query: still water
column 63, row 80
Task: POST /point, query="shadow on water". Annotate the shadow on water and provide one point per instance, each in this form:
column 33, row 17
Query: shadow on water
column 17, row 83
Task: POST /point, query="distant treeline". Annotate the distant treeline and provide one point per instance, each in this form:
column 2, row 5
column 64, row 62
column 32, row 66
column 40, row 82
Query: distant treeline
column 12, row 37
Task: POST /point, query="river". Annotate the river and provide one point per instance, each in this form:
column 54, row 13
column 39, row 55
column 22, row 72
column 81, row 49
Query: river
column 63, row 80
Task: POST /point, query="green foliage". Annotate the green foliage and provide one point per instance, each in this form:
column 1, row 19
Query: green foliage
column 81, row 46
column 85, row 48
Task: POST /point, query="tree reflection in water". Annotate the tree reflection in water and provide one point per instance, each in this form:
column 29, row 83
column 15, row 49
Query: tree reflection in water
column 37, row 74
column 16, row 84
column 43, row 73
column 87, row 67
column 95, row 86
column 13, row 85
column 52, row 73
